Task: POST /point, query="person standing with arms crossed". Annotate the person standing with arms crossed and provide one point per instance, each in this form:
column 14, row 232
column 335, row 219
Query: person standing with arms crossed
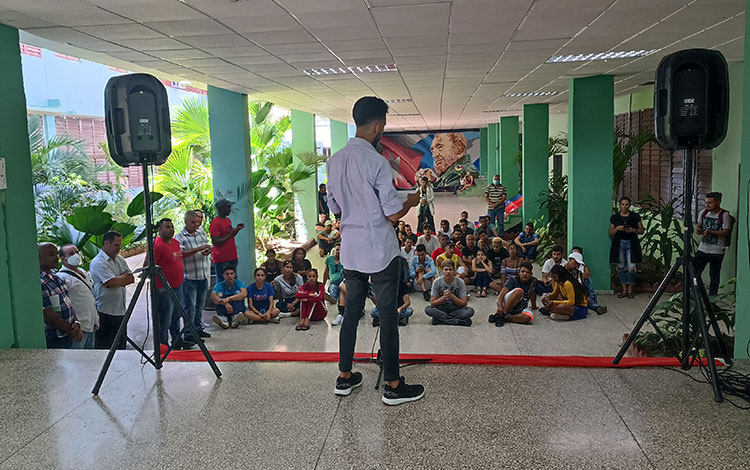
column 361, row 193
column 495, row 196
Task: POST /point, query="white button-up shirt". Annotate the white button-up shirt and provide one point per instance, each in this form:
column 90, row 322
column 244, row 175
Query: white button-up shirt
column 360, row 188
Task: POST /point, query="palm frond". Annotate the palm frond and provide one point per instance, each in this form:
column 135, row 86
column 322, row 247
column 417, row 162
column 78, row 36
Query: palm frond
column 190, row 124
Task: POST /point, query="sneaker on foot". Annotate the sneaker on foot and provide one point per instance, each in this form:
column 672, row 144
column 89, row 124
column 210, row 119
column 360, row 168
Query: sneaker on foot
column 435, row 321
column 557, row 316
column 285, row 315
column 239, row 320
column 402, row 394
column 220, row 322
column 544, row 311
column 464, row 322
column 403, row 321
column 345, row 386
column 375, row 322
column 492, row 318
column 499, row 320
column 601, row 309
column 426, row 296
column 204, row 334
column 275, row 319
column 337, row 321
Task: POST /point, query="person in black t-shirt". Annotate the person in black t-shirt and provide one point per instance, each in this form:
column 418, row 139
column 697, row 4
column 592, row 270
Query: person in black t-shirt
column 497, row 254
column 323, row 211
column 625, row 250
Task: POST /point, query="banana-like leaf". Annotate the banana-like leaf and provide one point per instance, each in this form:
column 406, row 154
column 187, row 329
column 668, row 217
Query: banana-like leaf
column 138, row 205
column 93, row 220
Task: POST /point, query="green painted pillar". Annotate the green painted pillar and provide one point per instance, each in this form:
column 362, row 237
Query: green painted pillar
column 535, row 158
column 742, row 319
column 228, row 118
column 306, row 191
column 493, row 154
column 483, row 151
column 508, row 154
column 591, row 114
column 339, row 135
column 21, row 320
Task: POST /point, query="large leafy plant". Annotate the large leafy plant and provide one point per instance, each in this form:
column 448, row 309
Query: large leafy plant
column 662, row 236
column 555, row 202
column 625, row 147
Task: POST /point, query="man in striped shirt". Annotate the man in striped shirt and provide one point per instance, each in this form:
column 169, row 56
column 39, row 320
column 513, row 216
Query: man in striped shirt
column 495, row 196
column 195, row 257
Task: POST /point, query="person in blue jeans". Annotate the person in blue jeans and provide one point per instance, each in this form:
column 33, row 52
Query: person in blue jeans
column 229, row 297
column 625, row 250
column 195, row 257
column 495, row 195
column 527, row 242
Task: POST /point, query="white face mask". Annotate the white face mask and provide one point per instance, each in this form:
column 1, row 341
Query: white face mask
column 74, row 260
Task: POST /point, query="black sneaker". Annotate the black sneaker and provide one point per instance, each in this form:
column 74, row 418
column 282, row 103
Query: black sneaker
column 375, row 322
column 544, row 311
column 464, row 322
column 435, row 321
column 402, row 394
column 601, row 309
column 204, row 334
column 403, row 321
column 183, row 344
column 499, row 321
column 492, row 318
column 345, row 386
column 426, row 296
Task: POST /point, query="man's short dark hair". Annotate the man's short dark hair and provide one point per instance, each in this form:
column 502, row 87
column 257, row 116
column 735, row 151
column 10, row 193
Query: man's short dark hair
column 368, row 109
column 625, row 198
column 321, row 185
column 228, row 268
column 463, row 221
column 62, row 250
column 577, row 248
column 161, row 221
column 528, row 266
column 714, row 195
column 110, row 236
column 420, row 248
column 530, row 224
column 557, row 248
column 426, row 226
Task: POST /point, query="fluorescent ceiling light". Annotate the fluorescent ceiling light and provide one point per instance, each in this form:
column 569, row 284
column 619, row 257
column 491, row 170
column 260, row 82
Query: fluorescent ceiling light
column 600, row 56
column 399, row 100
column 354, row 70
column 527, row 94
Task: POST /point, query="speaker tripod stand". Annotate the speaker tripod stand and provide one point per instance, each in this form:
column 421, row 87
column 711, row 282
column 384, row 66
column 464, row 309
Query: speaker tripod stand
column 152, row 272
column 692, row 288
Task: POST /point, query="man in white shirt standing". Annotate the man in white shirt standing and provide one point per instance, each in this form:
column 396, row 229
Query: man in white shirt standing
column 81, row 293
column 361, row 193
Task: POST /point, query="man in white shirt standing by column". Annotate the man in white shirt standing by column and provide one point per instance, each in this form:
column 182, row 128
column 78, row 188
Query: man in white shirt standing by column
column 81, row 293
column 361, row 193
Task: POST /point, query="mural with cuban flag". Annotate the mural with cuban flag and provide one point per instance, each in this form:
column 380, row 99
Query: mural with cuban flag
column 443, row 157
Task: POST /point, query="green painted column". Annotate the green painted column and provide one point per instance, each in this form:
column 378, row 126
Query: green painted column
column 339, row 135
column 483, row 151
column 228, row 118
column 591, row 126
column 21, row 320
column 535, row 158
column 742, row 319
column 509, row 150
column 306, row 191
column 493, row 154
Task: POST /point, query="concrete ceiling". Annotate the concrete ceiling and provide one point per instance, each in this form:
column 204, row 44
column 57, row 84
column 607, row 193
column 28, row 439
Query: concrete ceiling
column 455, row 58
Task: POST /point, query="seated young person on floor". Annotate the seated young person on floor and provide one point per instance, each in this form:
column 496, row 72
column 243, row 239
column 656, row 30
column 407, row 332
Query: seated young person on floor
column 428, row 238
column 457, row 240
column 444, row 240
column 408, row 233
column 555, row 260
column 300, row 263
column 422, row 272
column 484, row 242
column 515, row 296
column 271, row 265
column 482, row 269
column 408, row 251
column 261, row 308
column 286, row 286
column 465, row 228
column 527, row 242
column 463, row 216
column 449, row 299
column 497, row 254
column 312, row 301
column 458, row 262
column 400, row 226
column 511, row 265
column 229, row 297
column 484, row 226
column 404, row 309
column 401, row 237
column 581, row 272
column 328, row 238
column 568, row 300
column 445, row 228
column 334, row 273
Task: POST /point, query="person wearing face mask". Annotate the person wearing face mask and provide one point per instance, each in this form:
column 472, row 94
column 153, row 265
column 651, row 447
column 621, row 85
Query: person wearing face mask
column 495, row 196
column 81, row 293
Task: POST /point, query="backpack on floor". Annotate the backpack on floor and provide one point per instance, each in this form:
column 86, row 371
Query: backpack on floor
column 722, row 214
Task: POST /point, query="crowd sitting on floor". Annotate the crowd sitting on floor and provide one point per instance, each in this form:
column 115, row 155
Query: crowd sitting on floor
column 84, row 309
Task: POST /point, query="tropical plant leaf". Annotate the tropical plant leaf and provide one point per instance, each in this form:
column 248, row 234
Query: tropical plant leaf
column 138, row 205
column 93, row 220
column 190, row 125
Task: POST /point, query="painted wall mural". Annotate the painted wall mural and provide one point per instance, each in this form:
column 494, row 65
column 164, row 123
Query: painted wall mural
column 443, row 157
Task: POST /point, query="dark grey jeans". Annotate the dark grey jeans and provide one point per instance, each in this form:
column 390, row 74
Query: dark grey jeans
column 449, row 318
column 385, row 287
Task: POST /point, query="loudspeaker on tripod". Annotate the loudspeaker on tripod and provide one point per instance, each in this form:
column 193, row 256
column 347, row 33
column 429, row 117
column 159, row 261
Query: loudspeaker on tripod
column 136, row 113
column 691, row 99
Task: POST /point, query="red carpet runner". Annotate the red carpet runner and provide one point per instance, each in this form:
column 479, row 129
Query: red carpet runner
column 484, row 359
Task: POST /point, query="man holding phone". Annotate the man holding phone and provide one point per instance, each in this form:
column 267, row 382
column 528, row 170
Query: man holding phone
column 362, row 195
column 222, row 236
column 195, row 251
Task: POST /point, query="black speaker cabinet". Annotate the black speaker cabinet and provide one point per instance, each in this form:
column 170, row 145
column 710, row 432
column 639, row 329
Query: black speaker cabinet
column 691, row 99
column 136, row 114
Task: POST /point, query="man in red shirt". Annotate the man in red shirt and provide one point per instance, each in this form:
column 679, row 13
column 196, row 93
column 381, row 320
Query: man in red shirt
column 222, row 236
column 168, row 256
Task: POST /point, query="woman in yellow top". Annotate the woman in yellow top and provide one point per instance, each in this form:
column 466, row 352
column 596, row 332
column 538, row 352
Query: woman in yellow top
column 568, row 300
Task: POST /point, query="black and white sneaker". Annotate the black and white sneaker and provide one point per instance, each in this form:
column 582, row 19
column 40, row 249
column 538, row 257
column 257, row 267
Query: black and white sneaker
column 345, row 386
column 402, row 394
column 601, row 309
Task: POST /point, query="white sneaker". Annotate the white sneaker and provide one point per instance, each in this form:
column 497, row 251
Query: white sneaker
column 557, row 316
column 275, row 319
column 284, row 315
column 239, row 319
column 338, row 320
column 220, row 322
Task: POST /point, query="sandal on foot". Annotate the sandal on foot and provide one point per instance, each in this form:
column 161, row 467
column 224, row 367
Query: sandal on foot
column 299, row 327
column 622, row 295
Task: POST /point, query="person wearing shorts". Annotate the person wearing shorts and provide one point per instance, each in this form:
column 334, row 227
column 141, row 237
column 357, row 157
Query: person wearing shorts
column 513, row 301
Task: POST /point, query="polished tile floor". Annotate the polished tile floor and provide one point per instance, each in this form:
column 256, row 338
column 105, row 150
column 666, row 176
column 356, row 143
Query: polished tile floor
column 285, row 416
